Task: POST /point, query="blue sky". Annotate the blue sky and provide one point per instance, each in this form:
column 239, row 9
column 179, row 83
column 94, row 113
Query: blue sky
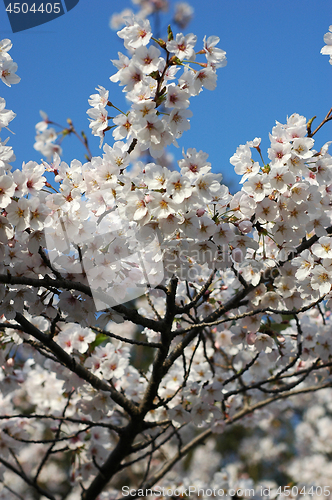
column 274, row 69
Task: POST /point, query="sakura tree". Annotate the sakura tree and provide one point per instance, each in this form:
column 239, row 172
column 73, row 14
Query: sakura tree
column 145, row 310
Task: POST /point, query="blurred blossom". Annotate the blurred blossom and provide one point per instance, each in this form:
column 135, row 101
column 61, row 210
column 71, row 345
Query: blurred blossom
column 183, row 14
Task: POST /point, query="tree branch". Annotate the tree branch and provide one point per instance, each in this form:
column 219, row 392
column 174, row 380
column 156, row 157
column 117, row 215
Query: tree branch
column 327, row 118
column 71, row 363
column 50, row 284
column 26, row 479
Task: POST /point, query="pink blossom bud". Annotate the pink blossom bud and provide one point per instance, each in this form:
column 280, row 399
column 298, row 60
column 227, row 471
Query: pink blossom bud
column 148, row 198
column 19, row 378
column 251, row 337
column 200, row 212
column 237, row 255
column 245, row 226
column 10, row 362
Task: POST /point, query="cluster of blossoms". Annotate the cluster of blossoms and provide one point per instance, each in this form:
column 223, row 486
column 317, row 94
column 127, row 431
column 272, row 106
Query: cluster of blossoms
column 47, row 138
column 327, row 49
column 8, row 76
column 8, row 67
column 235, row 290
column 148, row 80
column 182, row 15
column 287, row 200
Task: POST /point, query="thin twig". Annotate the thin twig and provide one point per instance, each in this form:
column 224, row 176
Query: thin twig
column 57, row 437
column 198, row 296
column 26, row 479
column 327, row 118
column 167, row 466
column 124, row 339
column 82, row 421
column 12, row 491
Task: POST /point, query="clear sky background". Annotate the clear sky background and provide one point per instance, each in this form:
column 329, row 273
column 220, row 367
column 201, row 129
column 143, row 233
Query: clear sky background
column 274, row 69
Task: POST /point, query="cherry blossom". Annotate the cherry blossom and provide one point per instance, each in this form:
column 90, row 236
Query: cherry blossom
column 327, row 49
column 8, row 70
column 6, row 115
column 183, row 14
column 137, row 33
column 145, row 310
column 183, row 46
column 5, row 46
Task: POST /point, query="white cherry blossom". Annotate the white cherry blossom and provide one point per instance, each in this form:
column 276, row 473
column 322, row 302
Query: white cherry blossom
column 232, row 313
column 327, row 49
column 137, row 33
column 183, row 46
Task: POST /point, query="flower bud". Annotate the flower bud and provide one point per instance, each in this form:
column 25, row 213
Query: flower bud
column 200, row 212
column 251, row 337
column 245, row 226
column 237, row 255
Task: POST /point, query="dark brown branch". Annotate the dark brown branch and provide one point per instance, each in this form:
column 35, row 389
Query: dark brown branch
column 13, row 492
column 124, row 339
column 240, row 277
column 170, row 303
column 132, row 146
column 274, row 379
column 142, row 445
column 148, row 298
column 154, row 448
column 50, row 284
column 196, row 299
column 112, row 464
column 47, row 441
column 71, row 363
column 238, row 416
column 57, row 437
column 164, row 402
column 285, row 312
column 47, row 261
column 327, row 118
column 26, row 479
column 242, row 371
column 82, row 421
